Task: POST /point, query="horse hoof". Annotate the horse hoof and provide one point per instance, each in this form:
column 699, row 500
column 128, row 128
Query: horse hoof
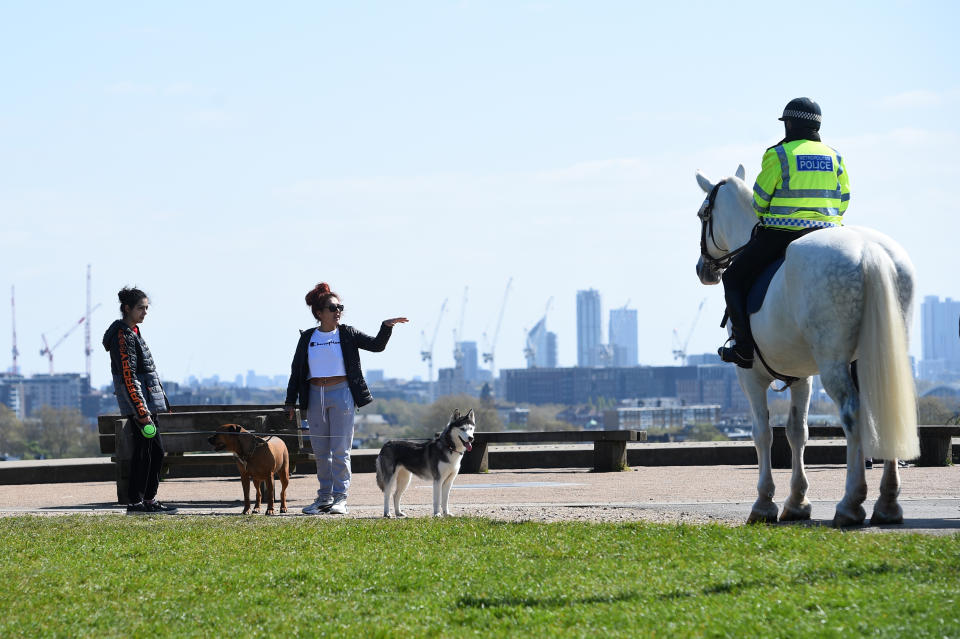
column 841, row 520
column 762, row 518
column 796, row 513
column 880, row 518
column 849, row 517
column 763, row 513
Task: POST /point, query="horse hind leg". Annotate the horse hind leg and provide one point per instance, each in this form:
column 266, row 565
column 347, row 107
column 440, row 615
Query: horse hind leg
column 797, row 507
column 839, row 384
column 887, row 510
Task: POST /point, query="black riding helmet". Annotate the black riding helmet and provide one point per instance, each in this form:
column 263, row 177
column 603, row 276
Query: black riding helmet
column 804, row 112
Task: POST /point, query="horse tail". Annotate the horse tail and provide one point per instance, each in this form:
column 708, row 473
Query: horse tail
column 888, row 410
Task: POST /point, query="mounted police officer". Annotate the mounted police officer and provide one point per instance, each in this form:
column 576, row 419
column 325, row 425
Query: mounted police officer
column 802, row 186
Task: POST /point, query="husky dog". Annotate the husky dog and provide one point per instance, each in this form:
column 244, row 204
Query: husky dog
column 438, row 460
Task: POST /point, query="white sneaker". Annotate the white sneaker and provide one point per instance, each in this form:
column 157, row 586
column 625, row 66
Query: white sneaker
column 338, row 507
column 319, row 505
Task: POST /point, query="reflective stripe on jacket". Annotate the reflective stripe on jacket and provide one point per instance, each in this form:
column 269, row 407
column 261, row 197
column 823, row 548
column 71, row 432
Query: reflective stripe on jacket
column 802, row 184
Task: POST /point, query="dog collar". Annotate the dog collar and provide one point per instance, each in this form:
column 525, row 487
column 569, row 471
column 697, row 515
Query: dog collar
column 246, row 460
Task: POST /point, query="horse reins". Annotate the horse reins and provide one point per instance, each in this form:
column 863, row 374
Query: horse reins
column 706, row 223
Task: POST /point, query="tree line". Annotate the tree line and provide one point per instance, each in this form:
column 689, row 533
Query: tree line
column 52, row 433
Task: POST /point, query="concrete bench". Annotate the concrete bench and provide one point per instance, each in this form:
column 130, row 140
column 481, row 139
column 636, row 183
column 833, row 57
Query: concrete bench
column 609, row 446
column 185, row 433
column 935, row 444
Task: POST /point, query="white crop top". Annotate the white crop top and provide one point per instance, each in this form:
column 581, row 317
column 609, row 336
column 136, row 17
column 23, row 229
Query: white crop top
column 324, row 355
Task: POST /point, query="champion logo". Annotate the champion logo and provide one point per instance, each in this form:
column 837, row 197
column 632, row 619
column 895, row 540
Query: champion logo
column 331, row 343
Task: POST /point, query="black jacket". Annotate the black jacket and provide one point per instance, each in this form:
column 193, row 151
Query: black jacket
column 351, row 340
column 135, row 380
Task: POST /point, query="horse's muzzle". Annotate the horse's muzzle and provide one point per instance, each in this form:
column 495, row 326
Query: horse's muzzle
column 707, row 274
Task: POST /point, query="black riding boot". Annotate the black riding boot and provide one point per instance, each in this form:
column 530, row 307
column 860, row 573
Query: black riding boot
column 741, row 353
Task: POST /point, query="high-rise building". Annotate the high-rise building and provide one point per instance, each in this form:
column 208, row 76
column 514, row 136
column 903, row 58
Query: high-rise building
column 469, row 360
column 941, row 344
column 551, row 358
column 623, row 336
column 11, row 393
column 589, row 329
column 64, row 390
column 541, row 348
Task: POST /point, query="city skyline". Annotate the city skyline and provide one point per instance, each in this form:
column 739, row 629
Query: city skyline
column 938, row 318
column 226, row 166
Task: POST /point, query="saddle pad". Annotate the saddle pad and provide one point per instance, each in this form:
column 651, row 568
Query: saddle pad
column 759, row 288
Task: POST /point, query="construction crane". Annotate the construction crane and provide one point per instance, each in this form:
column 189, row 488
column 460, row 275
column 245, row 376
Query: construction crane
column 13, row 322
column 488, row 357
column 530, row 348
column 680, row 350
column 426, row 351
column 87, row 349
column 47, row 350
column 458, row 334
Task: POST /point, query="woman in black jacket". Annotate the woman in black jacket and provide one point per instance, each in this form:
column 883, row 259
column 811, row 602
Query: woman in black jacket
column 327, row 379
column 140, row 397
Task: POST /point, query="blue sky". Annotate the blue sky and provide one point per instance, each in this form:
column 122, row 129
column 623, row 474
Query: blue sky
column 227, row 156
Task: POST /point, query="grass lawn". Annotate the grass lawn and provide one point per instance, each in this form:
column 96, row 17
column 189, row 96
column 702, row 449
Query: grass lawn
column 310, row 577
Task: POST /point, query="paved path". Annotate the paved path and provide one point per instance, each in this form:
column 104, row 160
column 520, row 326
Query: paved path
column 693, row 494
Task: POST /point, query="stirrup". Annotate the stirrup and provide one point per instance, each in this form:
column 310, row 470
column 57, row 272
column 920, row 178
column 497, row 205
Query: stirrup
column 732, row 355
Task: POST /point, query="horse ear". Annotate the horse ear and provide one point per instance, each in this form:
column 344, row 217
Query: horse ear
column 704, row 183
column 741, row 173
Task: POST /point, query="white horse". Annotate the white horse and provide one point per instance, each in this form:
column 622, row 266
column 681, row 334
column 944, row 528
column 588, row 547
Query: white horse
column 843, row 294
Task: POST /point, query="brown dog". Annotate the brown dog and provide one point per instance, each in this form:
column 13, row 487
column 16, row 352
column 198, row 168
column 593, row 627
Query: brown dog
column 258, row 458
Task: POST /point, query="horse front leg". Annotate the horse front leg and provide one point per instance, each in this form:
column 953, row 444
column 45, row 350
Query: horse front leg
column 755, row 387
column 797, row 508
column 839, row 384
column 887, row 510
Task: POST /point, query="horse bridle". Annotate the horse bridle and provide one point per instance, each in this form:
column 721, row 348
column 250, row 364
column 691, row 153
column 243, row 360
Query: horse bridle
column 706, row 224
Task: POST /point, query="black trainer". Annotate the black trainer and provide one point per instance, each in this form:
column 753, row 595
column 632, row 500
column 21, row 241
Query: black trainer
column 733, row 355
column 138, row 509
column 157, row 508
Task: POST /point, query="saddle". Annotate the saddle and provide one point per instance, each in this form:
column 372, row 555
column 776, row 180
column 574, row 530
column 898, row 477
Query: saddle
column 758, row 290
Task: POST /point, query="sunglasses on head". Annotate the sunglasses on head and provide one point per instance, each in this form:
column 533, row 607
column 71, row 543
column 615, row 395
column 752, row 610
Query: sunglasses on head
column 333, row 308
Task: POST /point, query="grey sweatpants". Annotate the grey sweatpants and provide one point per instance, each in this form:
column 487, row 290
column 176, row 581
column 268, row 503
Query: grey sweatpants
column 330, row 417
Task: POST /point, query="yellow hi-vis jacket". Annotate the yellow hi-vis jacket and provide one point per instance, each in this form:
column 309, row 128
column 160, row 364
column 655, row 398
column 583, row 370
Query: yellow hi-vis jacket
column 802, row 184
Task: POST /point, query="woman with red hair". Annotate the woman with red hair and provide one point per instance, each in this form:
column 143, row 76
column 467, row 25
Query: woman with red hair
column 327, row 379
